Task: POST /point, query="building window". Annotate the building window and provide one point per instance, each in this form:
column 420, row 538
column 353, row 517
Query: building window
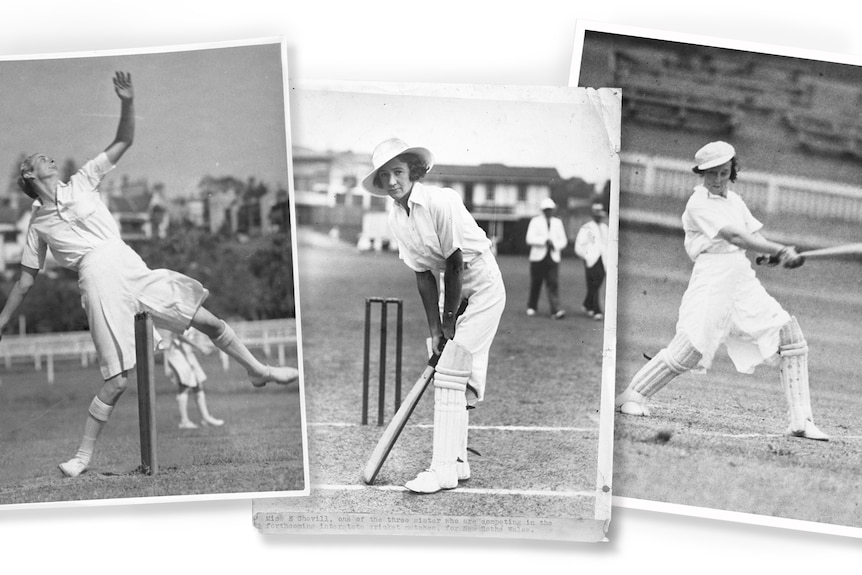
column 490, row 193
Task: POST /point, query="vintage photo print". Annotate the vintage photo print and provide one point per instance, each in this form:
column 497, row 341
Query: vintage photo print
column 475, row 226
column 739, row 271
column 150, row 339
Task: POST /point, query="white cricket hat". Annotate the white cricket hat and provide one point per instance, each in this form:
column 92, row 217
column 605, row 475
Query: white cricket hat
column 548, row 204
column 713, row 154
column 387, row 150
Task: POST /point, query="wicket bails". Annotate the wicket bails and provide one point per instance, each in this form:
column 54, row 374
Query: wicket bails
column 366, row 369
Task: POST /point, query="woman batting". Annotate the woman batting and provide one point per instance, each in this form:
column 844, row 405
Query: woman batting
column 436, row 234
column 725, row 303
column 71, row 220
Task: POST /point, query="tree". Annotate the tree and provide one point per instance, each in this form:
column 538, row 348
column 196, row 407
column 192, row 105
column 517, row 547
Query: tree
column 272, row 265
column 249, row 281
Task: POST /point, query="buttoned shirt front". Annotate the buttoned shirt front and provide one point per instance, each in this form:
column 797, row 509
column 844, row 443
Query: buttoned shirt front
column 436, row 226
column 591, row 242
column 706, row 214
column 78, row 222
column 542, row 230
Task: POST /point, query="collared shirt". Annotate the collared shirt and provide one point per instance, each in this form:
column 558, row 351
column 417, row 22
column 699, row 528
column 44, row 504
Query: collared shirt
column 706, row 214
column 438, row 224
column 78, row 222
column 541, row 230
column 591, row 243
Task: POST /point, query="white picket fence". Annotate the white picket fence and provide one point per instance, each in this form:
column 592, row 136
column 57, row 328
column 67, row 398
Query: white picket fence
column 767, row 193
column 270, row 336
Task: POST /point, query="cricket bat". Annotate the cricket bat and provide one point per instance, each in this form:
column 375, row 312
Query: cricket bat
column 852, row 250
column 399, row 420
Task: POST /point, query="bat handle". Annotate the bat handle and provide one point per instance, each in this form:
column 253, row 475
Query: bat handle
column 766, row 260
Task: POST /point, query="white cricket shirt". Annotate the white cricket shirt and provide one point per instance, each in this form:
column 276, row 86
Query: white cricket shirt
column 438, row 224
column 77, row 223
column 541, row 230
column 706, row 214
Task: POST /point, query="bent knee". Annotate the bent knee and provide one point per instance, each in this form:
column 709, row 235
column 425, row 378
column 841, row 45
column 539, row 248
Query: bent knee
column 113, row 388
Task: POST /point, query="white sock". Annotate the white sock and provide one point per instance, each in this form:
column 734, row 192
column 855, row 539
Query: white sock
column 97, row 417
column 229, row 343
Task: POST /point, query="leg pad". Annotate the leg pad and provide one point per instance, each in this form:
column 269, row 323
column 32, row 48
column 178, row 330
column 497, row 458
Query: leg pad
column 678, row 357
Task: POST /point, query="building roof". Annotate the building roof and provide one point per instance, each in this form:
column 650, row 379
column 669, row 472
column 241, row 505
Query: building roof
column 494, row 172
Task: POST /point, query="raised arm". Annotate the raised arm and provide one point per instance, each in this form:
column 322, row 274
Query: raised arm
column 126, row 129
column 19, row 291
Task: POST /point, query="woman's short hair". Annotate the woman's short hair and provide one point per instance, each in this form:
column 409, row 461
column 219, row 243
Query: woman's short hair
column 415, row 165
column 24, row 183
column 734, row 169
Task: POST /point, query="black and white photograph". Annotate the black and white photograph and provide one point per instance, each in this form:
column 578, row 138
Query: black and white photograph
column 739, row 271
column 457, row 276
column 150, row 343
column 515, row 456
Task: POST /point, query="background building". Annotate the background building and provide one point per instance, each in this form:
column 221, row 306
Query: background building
column 501, row 198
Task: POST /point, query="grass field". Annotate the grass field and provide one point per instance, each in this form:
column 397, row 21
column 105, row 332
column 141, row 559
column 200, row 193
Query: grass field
column 537, row 430
column 727, row 449
column 259, row 449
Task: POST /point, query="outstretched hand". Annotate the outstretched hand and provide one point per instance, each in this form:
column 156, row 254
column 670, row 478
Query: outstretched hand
column 123, row 86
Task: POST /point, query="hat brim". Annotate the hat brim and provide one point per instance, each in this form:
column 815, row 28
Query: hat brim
column 368, row 181
column 715, row 162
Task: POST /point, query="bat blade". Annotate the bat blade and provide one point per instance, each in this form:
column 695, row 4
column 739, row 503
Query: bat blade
column 844, row 250
column 396, row 425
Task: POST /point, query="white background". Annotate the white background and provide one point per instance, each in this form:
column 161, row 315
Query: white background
column 441, row 41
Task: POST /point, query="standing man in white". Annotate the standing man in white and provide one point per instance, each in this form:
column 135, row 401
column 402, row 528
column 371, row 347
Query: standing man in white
column 546, row 238
column 591, row 245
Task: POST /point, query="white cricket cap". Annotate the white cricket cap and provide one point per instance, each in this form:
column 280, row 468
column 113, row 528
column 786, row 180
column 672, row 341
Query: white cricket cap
column 713, row 154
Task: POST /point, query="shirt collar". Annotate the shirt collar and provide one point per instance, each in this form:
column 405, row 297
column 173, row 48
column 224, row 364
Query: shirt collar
column 712, row 196
column 418, row 195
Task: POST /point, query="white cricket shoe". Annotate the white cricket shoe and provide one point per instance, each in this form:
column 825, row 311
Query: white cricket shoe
column 430, row 481
column 73, row 468
column 187, row 425
column 281, row 375
column 531, row 312
column 212, row 422
column 634, row 408
column 810, row 431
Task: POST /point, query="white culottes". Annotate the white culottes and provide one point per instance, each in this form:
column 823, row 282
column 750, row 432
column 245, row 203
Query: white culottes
column 115, row 285
column 184, row 368
column 482, row 286
column 725, row 303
